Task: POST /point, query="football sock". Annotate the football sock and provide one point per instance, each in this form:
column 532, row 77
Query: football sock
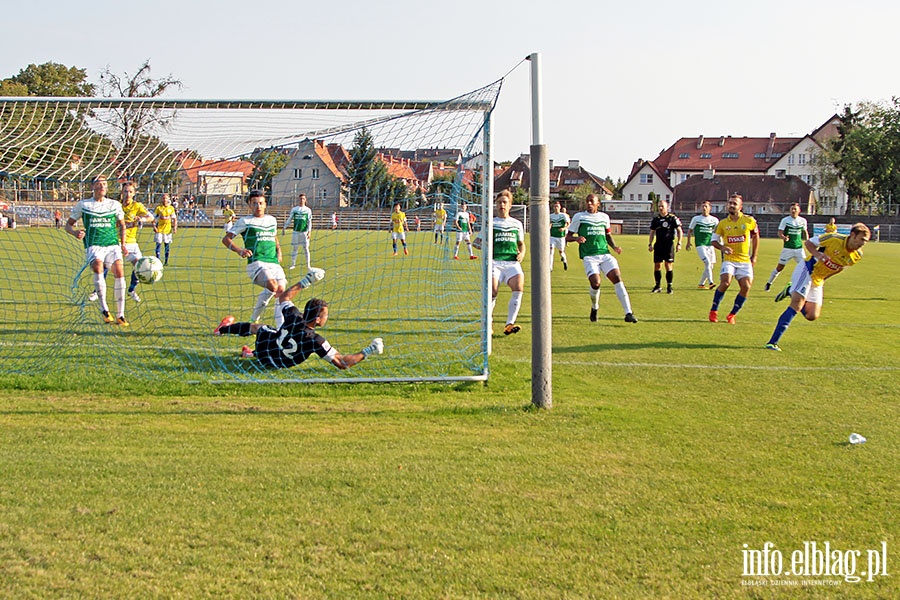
column 157, row 250
column 261, row 302
column 657, row 277
column 772, row 276
column 167, row 254
column 493, row 304
column 279, row 316
column 306, row 251
column 595, row 297
column 515, row 303
column 294, row 256
column 134, row 282
column 100, row 286
column 394, row 244
column 717, row 297
column 119, row 294
column 784, row 321
column 622, row 295
column 242, row 329
column 669, row 276
column 738, row 304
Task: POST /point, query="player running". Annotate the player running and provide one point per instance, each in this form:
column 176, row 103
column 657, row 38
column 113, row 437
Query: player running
column 135, row 214
column 590, row 228
column 702, row 227
column 830, row 254
column 737, row 236
column 559, row 222
column 792, row 230
column 104, row 242
column 508, row 252
column 300, row 221
column 263, row 253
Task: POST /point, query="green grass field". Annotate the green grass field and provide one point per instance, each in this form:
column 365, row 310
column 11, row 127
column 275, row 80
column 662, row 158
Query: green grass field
column 674, row 446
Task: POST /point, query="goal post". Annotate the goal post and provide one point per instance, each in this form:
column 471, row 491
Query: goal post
column 428, row 308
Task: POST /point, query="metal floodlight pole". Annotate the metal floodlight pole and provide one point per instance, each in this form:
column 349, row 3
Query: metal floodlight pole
column 539, row 209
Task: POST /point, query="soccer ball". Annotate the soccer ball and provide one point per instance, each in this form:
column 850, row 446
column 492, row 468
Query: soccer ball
column 149, row 269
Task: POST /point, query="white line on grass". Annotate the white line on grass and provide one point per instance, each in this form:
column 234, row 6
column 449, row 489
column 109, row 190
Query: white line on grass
column 729, row 366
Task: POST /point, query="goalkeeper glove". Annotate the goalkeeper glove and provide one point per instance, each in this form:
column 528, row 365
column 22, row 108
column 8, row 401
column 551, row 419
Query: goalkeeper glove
column 376, row 347
column 315, row 274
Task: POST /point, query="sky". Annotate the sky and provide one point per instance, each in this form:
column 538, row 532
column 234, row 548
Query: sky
column 620, row 80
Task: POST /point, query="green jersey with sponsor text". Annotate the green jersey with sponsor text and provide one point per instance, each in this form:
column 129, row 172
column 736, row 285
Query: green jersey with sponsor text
column 99, row 220
column 508, row 233
column 260, row 235
column 593, row 227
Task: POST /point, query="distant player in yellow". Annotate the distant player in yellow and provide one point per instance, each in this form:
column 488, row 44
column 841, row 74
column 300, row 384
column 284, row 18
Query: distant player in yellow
column 165, row 226
column 737, row 236
column 399, row 228
column 440, row 222
column 831, row 226
column 230, row 217
column 830, row 254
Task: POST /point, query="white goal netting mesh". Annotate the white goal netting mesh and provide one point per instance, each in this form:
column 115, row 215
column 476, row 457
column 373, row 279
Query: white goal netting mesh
column 353, row 160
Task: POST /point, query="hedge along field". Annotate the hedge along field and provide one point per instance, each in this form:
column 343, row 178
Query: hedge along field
column 674, row 448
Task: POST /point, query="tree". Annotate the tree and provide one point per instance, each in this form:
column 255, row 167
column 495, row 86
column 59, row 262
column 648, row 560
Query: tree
column 866, row 153
column 52, row 79
column 582, row 191
column 136, row 120
column 269, row 163
column 368, row 179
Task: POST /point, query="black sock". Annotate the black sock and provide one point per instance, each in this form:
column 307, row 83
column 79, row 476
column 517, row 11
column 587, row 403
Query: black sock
column 669, row 275
column 241, row 329
column 658, row 277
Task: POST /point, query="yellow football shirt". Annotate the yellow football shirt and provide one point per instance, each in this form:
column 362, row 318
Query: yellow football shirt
column 834, row 246
column 164, row 217
column 133, row 212
column 440, row 216
column 736, row 235
column 398, row 219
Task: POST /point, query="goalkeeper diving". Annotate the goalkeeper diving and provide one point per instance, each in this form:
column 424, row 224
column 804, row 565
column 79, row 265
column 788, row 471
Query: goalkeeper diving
column 296, row 339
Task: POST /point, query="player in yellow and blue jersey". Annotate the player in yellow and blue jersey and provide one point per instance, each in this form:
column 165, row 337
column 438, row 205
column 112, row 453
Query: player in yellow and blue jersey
column 399, row 228
column 165, row 227
column 830, row 254
column 737, row 236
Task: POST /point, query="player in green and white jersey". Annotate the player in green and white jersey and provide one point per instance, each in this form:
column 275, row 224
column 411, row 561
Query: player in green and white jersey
column 263, row 253
column 591, row 230
column 300, row 221
column 794, row 232
column 104, row 241
column 559, row 222
column 508, row 252
column 701, row 230
column 463, row 226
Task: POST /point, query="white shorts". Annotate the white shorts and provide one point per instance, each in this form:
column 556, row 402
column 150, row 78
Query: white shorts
column 463, row 236
column 398, row 235
column 504, row 270
column 106, row 254
column 300, row 238
column 134, row 253
column 163, row 238
column 602, row 263
column 439, row 228
column 558, row 243
column 261, row 272
column 801, row 282
column 228, row 227
column 789, row 254
column 739, row 270
column 707, row 254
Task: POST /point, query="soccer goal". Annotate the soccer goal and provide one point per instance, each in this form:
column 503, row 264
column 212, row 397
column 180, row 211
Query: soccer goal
column 353, row 160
